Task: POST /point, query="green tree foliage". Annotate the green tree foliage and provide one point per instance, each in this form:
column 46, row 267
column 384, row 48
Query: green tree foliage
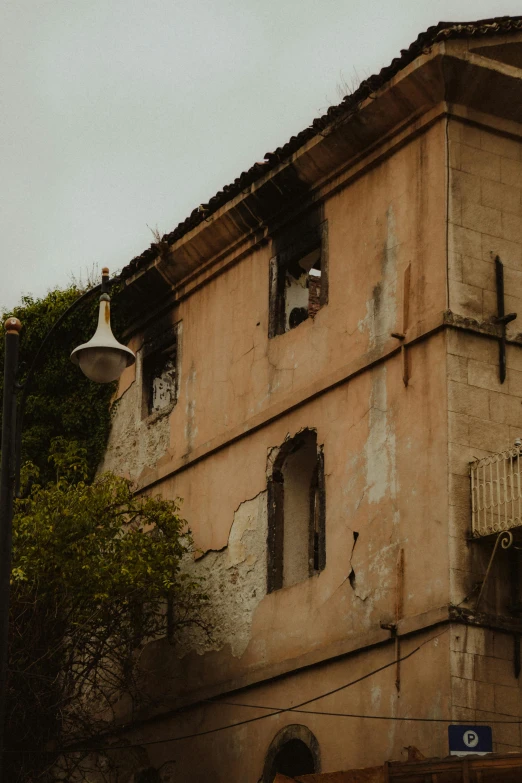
column 97, row 570
column 94, row 568
column 61, row 402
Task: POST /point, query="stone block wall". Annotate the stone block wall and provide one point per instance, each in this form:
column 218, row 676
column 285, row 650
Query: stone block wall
column 485, row 220
column 484, row 415
column 483, row 684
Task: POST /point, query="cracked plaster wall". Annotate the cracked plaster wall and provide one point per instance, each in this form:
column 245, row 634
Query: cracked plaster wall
column 385, row 488
column 135, row 443
column 373, row 430
column 387, row 448
column 234, row 372
column 235, row 579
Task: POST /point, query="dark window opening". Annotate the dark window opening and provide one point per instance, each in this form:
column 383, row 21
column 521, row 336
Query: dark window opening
column 298, row 285
column 302, row 289
column 316, row 520
column 293, row 751
column 160, row 369
column 296, row 512
column 160, row 381
column 294, row 758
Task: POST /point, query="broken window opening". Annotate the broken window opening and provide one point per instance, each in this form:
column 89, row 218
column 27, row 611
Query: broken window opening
column 296, row 503
column 161, row 381
column 160, row 373
column 298, row 287
column 302, row 289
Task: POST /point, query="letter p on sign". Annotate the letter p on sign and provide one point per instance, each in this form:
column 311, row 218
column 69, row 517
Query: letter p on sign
column 470, row 739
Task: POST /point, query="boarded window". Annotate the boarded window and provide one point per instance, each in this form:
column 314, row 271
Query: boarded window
column 296, row 512
column 160, row 370
column 298, row 277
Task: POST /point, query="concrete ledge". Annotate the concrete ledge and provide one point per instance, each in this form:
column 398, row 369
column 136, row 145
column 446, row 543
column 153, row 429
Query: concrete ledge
column 417, row 333
column 374, row 637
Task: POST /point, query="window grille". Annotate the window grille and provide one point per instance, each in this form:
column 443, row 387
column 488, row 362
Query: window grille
column 496, row 493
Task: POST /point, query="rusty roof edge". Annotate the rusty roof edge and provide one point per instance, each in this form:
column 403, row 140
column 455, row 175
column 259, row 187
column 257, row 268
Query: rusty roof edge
column 442, row 31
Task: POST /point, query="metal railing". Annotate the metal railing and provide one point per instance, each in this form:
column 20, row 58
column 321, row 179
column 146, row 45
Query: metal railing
column 496, row 493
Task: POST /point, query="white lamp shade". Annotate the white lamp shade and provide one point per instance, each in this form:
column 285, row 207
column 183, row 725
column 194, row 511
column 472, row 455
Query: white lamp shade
column 103, row 358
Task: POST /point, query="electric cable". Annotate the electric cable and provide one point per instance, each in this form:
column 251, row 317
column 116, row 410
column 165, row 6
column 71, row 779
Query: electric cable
column 278, row 711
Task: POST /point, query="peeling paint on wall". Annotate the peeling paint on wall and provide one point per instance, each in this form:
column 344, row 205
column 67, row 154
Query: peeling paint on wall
column 235, row 579
column 381, row 466
column 134, row 443
column 190, row 427
column 381, row 309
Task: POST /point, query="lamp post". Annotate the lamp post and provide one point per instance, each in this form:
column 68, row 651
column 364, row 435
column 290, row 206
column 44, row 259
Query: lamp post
column 102, row 359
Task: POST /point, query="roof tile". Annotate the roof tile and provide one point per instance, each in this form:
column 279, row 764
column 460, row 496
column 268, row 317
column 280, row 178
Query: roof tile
column 439, row 32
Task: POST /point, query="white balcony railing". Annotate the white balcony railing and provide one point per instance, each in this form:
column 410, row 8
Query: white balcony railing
column 496, row 493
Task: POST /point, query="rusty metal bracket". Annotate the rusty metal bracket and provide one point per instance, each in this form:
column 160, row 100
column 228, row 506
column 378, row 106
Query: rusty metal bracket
column 505, row 539
column 405, row 369
column 502, row 318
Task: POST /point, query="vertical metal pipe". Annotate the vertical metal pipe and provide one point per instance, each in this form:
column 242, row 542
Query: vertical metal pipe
column 499, row 499
column 7, row 482
column 473, row 500
column 499, row 275
column 505, row 498
column 518, row 512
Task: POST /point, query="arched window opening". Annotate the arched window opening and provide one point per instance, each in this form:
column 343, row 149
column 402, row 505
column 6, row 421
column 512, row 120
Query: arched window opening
column 296, row 512
column 293, row 751
column 294, row 758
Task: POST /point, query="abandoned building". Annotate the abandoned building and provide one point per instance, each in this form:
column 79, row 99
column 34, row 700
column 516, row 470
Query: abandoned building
column 329, row 374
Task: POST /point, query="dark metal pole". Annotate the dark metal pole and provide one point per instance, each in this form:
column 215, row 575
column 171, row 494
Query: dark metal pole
column 7, row 483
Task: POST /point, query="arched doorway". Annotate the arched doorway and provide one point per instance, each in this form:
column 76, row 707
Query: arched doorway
column 293, row 751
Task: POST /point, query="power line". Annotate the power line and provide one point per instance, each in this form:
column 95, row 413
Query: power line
column 357, row 715
column 280, row 710
column 276, row 711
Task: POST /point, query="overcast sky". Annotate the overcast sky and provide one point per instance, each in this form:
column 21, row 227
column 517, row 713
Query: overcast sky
column 116, row 115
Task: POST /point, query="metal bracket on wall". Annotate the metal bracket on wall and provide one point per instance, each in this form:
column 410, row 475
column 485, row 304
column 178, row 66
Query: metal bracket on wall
column 505, row 539
column 405, row 370
column 502, row 318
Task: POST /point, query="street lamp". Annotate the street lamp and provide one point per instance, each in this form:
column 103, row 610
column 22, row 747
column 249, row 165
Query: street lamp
column 103, row 360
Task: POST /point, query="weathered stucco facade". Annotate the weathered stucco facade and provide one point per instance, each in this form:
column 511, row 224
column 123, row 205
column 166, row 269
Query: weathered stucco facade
column 392, row 381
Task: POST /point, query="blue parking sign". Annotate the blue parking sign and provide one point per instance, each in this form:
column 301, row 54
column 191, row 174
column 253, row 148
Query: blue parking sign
column 464, row 740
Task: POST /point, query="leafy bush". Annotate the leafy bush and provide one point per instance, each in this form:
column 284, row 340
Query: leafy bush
column 97, row 571
column 94, row 568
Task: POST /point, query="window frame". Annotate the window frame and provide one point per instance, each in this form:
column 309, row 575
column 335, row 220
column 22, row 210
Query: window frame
column 164, row 342
column 276, row 522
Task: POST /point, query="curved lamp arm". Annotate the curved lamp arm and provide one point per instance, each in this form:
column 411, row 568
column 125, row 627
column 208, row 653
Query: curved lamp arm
column 23, row 388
